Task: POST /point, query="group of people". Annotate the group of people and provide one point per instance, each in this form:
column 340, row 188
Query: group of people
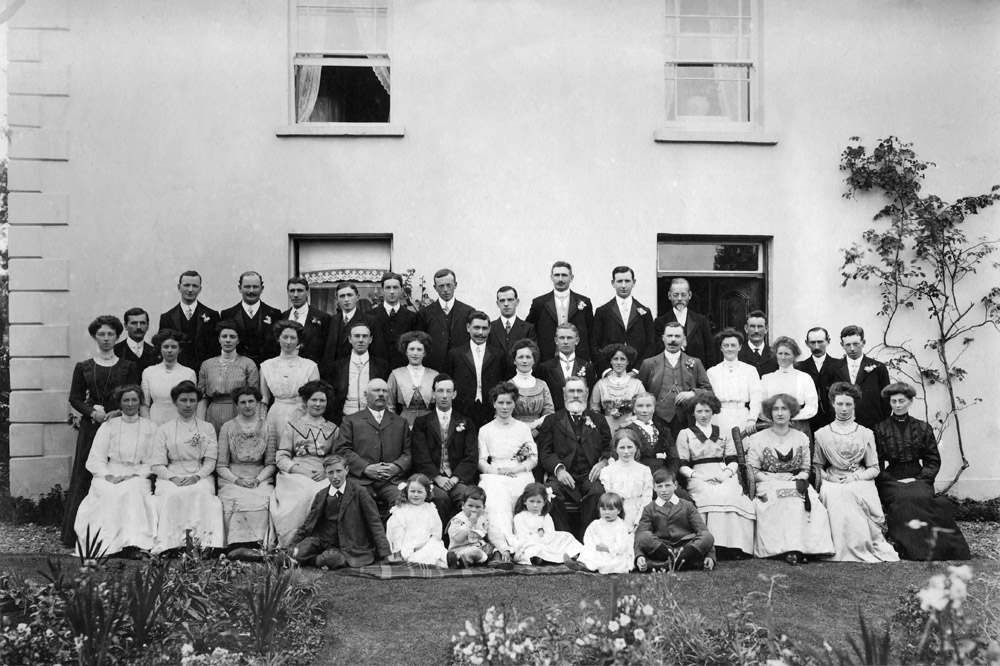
column 443, row 437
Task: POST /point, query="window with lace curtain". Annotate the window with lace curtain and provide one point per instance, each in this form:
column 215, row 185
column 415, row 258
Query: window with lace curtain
column 340, row 61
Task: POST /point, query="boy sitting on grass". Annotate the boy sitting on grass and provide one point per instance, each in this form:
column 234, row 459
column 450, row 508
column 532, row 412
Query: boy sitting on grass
column 671, row 532
column 342, row 526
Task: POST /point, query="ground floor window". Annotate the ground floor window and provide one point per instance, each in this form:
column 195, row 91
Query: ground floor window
column 727, row 274
column 325, row 261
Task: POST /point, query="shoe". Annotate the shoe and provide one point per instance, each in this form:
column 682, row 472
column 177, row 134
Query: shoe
column 792, row 558
column 537, row 561
column 709, row 564
column 453, row 561
column 500, row 560
column 574, row 565
column 641, row 564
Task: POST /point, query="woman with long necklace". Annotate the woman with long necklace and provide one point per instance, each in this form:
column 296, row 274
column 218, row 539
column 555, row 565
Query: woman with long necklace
column 246, row 469
column 119, row 510
column 92, row 395
column 846, row 464
column 184, row 455
column 159, row 379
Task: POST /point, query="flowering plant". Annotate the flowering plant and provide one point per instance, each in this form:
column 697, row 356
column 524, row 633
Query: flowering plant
column 196, row 439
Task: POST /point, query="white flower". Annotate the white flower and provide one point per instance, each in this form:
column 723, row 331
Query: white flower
column 619, row 644
column 963, row 573
column 613, row 626
column 642, row 312
column 639, row 634
column 624, row 619
column 775, row 662
column 469, row 629
column 647, row 610
column 23, row 628
column 958, row 592
column 933, row 598
column 916, row 524
column 582, row 305
column 187, row 650
column 476, row 660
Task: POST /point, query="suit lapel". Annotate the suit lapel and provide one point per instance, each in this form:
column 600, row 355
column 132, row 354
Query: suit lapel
column 550, row 305
column 178, row 314
column 862, row 373
column 633, row 314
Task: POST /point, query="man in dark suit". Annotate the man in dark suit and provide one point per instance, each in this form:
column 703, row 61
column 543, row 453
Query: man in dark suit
column 697, row 328
column 376, row 445
column 817, row 339
column 864, row 372
column 446, row 449
column 508, row 328
column 134, row 347
column 350, row 375
column 475, row 368
column 561, row 306
column 257, row 319
column 338, row 343
column 566, row 364
column 445, row 320
column 315, row 322
column 622, row 319
column 756, row 352
column 675, row 379
column 193, row 319
column 390, row 321
column 574, row 445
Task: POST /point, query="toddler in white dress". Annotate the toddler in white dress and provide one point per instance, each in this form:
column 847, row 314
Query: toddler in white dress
column 414, row 526
column 537, row 541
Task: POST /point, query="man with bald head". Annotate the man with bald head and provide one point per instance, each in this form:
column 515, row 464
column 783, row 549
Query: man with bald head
column 697, row 329
column 376, row 445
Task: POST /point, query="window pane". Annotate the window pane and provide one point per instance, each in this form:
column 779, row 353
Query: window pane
column 341, row 28
column 728, row 257
column 344, row 95
column 706, row 92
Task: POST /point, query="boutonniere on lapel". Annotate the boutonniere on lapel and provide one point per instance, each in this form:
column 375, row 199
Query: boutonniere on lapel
column 590, row 424
column 267, row 319
column 582, row 305
column 689, row 364
column 205, row 318
column 582, row 372
column 642, row 311
column 314, row 320
column 869, row 368
column 460, row 427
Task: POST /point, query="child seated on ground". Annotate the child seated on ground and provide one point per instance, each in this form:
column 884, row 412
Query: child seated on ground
column 342, row 527
column 607, row 543
column 467, row 532
column 537, row 540
column 671, row 532
column 414, row 526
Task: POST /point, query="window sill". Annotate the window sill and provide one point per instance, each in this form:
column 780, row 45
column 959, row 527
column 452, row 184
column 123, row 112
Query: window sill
column 702, row 136
column 340, row 129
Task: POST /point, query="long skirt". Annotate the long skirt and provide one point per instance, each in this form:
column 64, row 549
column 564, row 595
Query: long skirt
column 433, row 553
column 552, row 549
column 906, row 502
column 219, row 411
column 728, row 513
column 293, row 495
column 784, row 525
column 245, row 510
column 123, row 513
column 79, row 480
column 188, row 508
column 501, row 494
column 856, row 522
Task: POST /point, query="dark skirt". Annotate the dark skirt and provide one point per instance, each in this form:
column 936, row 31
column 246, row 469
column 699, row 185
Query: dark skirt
column 905, row 502
column 79, row 480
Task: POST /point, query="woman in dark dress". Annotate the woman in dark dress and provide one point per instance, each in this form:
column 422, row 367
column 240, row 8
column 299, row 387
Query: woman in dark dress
column 908, row 455
column 92, row 394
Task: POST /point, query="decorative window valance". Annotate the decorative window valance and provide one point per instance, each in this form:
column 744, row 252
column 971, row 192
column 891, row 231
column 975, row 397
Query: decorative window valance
column 345, row 275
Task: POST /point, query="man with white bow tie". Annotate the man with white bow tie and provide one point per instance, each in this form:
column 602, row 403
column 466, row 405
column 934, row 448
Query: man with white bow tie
column 866, row 373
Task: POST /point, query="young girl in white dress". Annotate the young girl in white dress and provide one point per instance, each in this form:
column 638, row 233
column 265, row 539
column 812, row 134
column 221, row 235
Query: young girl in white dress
column 628, row 478
column 414, row 526
column 537, row 540
column 607, row 544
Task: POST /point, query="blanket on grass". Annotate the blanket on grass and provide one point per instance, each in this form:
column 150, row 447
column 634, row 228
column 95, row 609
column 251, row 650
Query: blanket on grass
column 398, row 571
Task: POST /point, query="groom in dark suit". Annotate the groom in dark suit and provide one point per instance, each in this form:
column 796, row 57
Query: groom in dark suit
column 445, row 449
column 445, row 320
column 864, row 372
column 390, row 321
column 817, row 339
column 508, row 328
column 697, row 328
column 134, row 347
column 315, row 322
column 475, row 368
column 193, row 319
column 675, row 379
column 257, row 319
column 574, row 445
column 622, row 319
column 561, row 306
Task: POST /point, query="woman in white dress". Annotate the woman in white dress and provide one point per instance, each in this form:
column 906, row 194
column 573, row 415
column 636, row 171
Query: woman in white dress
column 846, row 464
column 786, row 379
column 304, row 442
column 613, row 393
column 507, row 456
column 791, row 521
column 708, row 462
column 119, row 509
column 159, row 379
column 282, row 377
column 736, row 384
column 411, row 387
column 184, row 454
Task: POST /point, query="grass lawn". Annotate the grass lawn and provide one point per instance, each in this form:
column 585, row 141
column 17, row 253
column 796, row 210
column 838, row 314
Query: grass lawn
column 410, row 622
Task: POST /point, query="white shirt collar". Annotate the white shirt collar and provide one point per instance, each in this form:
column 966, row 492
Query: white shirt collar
column 251, row 310
column 624, row 302
column 474, row 346
column 348, row 316
column 377, row 413
column 567, row 359
column 443, row 303
column 390, row 308
column 819, row 360
column 673, row 500
column 505, row 320
column 561, row 295
column 136, row 347
column 441, row 415
column 359, row 359
column 673, row 358
column 193, row 306
column 303, row 312
column 333, row 492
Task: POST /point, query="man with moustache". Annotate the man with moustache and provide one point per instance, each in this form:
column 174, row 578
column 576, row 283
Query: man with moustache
column 391, row 320
column 624, row 320
column 675, row 379
column 134, row 347
column 508, row 328
column 445, row 320
column 315, row 322
column 574, row 445
column 257, row 319
column 756, row 352
column 376, row 445
column 475, row 368
column 697, row 329
column 817, row 339
column 864, row 372
column 556, row 371
column 561, row 306
column 338, row 343
column 350, row 375
column 193, row 319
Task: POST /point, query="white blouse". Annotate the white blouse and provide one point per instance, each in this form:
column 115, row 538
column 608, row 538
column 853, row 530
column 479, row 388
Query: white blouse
column 737, row 382
column 797, row 384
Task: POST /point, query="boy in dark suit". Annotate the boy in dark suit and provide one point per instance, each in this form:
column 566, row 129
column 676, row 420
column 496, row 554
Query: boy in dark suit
column 671, row 530
column 342, row 526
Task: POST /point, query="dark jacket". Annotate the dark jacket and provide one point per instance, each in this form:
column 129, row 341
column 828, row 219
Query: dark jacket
column 257, row 341
column 358, row 526
column 317, row 328
column 544, row 318
column 447, row 332
column 204, row 344
column 463, row 446
column 609, row 328
column 559, row 445
column 338, row 376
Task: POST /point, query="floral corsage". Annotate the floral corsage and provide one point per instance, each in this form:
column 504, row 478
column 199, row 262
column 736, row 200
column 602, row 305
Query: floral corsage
column 590, row 424
column 196, row 439
column 582, row 372
column 689, row 364
column 524, row 453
